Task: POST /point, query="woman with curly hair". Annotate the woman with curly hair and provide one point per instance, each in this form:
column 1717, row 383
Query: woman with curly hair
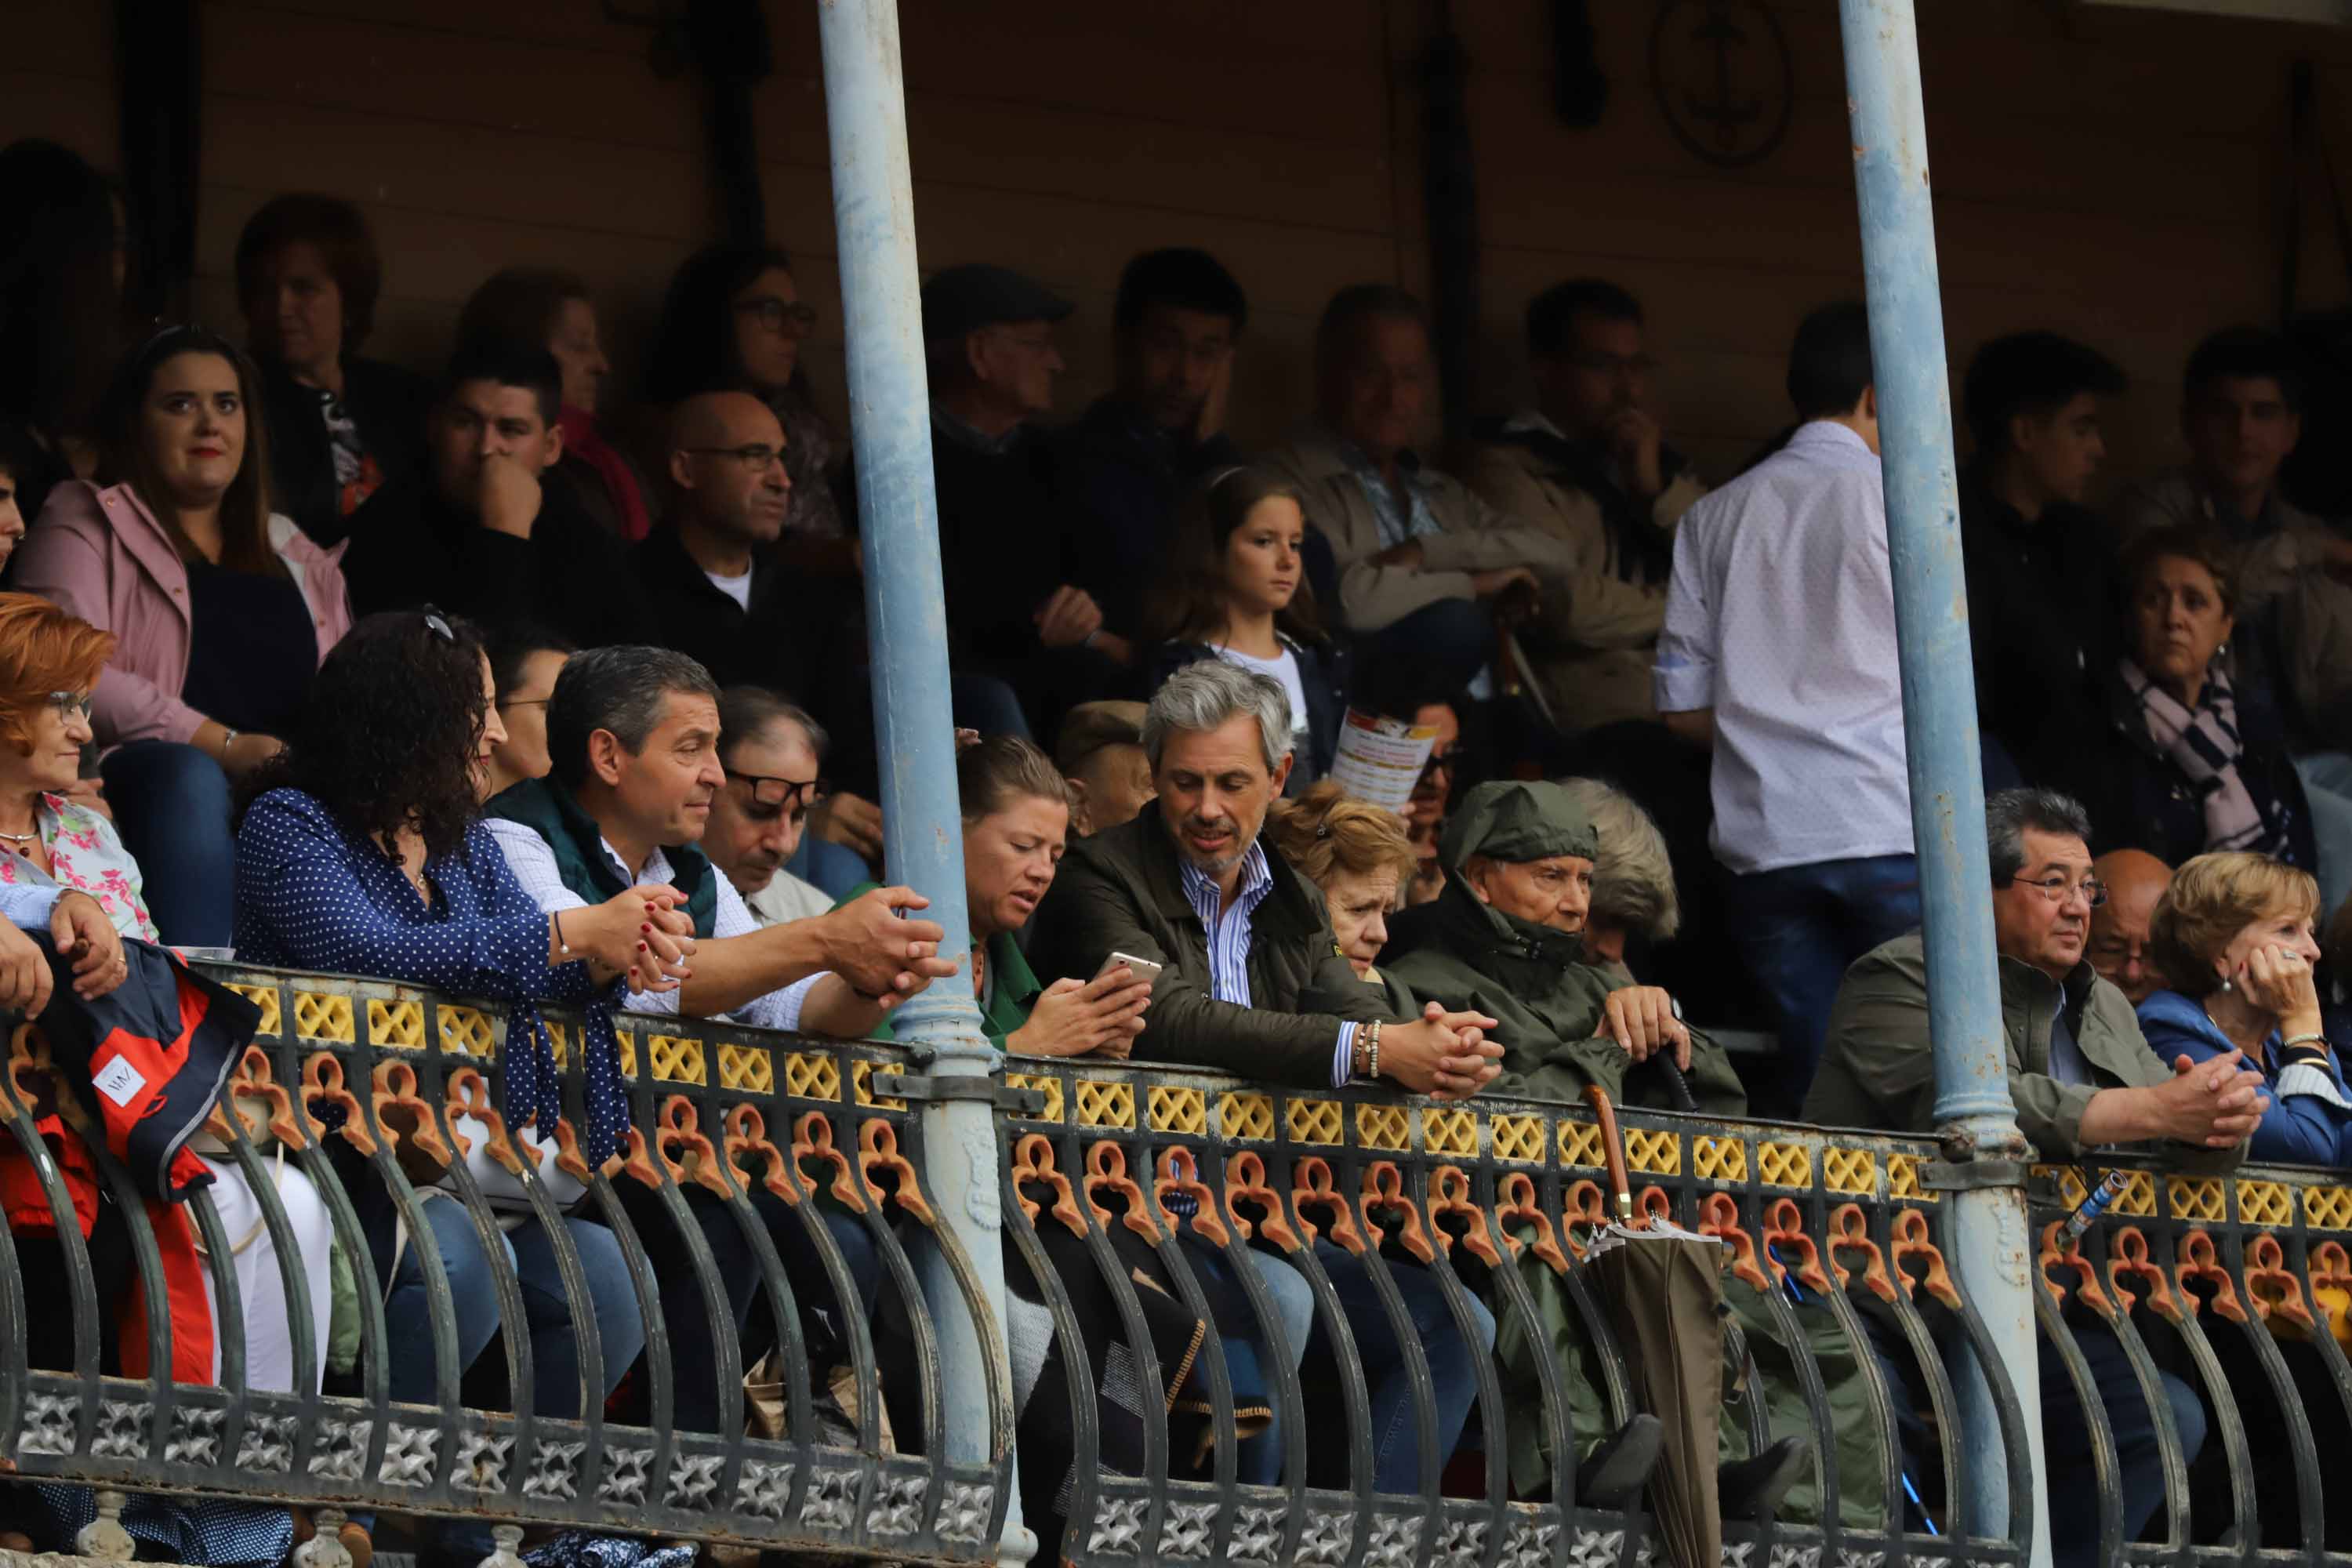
column 364, row 854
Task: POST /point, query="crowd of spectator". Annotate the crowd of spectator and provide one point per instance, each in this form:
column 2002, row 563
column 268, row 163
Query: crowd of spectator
column 493, row 681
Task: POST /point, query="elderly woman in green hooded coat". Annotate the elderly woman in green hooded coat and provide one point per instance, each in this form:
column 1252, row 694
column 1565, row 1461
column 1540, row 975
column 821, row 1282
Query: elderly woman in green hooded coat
column 1506, row 937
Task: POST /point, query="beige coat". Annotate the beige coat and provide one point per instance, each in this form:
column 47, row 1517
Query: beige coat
column 1596, row 669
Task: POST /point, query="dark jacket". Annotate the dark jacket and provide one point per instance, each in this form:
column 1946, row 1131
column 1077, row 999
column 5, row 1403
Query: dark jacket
column 1122, row 478
column 388, row 404
column 1003, row 542
column 2041, row 624
column 410, row 547
column 1121, row 891
column 1325, row 670
column 772, row 644
column 2139, row 797
column 1879, row 1067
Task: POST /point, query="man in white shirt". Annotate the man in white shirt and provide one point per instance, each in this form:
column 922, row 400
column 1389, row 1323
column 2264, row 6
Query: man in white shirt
column 632, row 736
column 772, row 752
column 1779, row 651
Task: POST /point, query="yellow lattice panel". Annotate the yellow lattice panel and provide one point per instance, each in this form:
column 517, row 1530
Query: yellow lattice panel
column 320, row 1016
column 1449, row 1130
column 1045, row 1084
column 1241, row 1114
column 266, row 998
column 677, row 1059
column 1785, row 1164
column 1176, row 1108
column 1382, row 1127
column 1653, row 1154
column 2072, row 1187
column 1720, row 1159
column 810, row 1075
column 1903, row 1181
column 751, row 1069
column 559, row 1043
column 1314, row 1120
column 467, row 1032
column 628, row 1046
column 861, row 1084
column 1579, row 1144
column 1853, row 1172
column 2327, row 1208
column 1519, row 1138
column 399, row 1025
column 2138, row 1196
column 2195, row 1197
column 1106, row 1104
column 2264, row 1203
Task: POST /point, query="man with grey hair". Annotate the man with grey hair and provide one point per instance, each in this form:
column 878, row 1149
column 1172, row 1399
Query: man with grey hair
column 1254, row 984
column 632, row 736
column 2082, row 1077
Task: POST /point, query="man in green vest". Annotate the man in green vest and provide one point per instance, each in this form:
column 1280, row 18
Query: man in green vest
column 633, row 735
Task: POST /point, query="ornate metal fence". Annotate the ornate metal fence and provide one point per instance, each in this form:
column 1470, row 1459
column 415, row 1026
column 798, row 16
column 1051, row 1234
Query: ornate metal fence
column 1833, row 1245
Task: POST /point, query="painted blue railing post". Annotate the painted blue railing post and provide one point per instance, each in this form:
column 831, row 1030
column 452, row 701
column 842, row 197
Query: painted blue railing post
column 906, row 607
column 1975, row 1120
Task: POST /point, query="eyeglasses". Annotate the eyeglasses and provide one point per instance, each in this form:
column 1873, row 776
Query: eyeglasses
column 525, row 702
column 1441, row 761
column 2058, row 890
column 781, row 794
column 70, row 705
column 758, row 456
column 777, row 315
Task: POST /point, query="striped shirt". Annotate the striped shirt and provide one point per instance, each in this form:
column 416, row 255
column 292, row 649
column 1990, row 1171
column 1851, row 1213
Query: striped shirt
column 1229, row 941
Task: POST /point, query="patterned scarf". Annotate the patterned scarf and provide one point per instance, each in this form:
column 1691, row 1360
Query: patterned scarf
column 2204, row 745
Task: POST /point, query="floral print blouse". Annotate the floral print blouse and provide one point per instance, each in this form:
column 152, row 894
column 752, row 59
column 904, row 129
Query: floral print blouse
column 85, row 855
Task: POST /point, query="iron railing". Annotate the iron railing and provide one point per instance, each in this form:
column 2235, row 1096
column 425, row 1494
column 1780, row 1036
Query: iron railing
column 1836, row 1242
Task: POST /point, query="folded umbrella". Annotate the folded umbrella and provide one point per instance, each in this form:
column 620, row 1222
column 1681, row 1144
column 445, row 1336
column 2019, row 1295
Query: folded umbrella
column 1661, row 1285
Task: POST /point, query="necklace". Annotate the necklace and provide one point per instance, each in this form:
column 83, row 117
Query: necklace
column 21, row 837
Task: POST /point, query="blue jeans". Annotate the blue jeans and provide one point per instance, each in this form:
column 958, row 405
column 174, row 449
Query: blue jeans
column 830, row 868
column 1797, row 928
column 1253, row 1358
column 554, row 1342
column 1452, row 1360
column 171, row 805
column 2139, row 1464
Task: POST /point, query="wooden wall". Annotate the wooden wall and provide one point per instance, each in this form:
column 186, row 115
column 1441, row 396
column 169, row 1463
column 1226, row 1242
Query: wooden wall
column 2113, row 173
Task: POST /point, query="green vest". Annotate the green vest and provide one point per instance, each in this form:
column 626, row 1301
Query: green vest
column 1006, row 1006
column 580, row 856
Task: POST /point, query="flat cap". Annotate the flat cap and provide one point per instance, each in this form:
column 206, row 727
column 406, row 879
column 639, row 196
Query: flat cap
column 959, row 299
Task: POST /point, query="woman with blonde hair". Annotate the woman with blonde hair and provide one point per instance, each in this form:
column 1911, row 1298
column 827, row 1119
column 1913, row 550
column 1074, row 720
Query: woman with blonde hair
column 2233, row 936
column 1359, row 856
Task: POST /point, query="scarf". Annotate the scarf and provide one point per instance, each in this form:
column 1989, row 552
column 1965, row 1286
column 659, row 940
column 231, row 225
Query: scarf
column 582, row 440
column 2204, row 745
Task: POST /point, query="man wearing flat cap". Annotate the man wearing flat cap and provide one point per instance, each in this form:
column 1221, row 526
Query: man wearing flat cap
column 1013, row 608
column 1506, row 938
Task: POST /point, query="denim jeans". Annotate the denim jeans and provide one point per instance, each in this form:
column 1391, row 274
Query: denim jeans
column 832, row 868
column 171, row 805
column 1797, row 928
column 1452, row 1360
column 693, row 1352
column 1258, row 1460
column 554, row 1342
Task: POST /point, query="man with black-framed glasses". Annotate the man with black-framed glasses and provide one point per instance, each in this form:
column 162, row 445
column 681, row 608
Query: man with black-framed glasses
column 771, row 754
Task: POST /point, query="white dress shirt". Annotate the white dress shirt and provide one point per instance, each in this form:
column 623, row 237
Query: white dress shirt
column 1780, row 617
column 533, row 864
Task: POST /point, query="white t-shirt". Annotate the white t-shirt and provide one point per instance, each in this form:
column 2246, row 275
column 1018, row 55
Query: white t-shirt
column 736, row 588
column 1284, row 670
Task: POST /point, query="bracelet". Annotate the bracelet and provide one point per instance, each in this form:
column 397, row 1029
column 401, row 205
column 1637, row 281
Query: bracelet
column 1372, row 1049
column 228, row 741
column 2319, row 1040
column 562, row 946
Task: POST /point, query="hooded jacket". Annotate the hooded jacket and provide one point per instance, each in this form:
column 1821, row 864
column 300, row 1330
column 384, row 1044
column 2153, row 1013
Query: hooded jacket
column 1531, row 979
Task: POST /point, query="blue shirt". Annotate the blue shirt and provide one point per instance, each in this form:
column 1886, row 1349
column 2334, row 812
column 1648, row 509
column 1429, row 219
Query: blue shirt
column 1229, row 941
column 2309, row 1121
column 1397, row 519
column 313, row 895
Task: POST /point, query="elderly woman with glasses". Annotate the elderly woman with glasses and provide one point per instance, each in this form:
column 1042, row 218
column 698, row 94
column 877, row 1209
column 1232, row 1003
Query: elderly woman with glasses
column 2234, row 936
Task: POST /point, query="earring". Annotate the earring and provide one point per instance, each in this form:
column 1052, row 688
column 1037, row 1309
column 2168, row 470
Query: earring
column 2225, row 983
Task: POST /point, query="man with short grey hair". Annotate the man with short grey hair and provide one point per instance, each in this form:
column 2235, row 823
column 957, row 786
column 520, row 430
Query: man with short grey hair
column 2082, row 1076
column 1254, row 984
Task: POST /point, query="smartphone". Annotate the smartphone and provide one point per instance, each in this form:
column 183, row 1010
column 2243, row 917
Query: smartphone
column 1143, row 968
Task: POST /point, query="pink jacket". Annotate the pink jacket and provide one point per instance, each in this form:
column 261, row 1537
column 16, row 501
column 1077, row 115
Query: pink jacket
column 102, row 555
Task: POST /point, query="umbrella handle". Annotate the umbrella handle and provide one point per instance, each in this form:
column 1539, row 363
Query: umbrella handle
column 1612, row 1152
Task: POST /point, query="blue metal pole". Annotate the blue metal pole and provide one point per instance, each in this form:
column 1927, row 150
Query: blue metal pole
column 1975, row 1120
column 906, row 607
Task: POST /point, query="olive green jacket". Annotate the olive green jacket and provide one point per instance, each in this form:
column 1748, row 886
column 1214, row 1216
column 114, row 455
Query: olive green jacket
column 1879, row 1071
column 1548, row 1002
